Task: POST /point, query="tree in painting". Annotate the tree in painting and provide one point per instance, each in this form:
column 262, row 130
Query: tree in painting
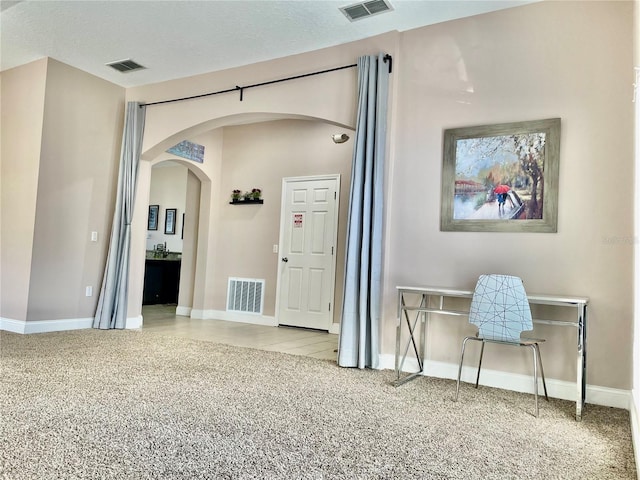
column 530, row 150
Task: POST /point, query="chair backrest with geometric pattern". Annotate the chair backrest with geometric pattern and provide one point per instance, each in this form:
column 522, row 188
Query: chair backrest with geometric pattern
column 500, row 308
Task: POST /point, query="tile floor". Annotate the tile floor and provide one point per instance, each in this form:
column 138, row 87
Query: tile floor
column 296, row 341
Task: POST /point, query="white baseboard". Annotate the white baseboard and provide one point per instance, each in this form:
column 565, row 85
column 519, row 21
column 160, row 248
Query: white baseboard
column 134, row 322
column 610, row 397
column 60, row 325
column 234, row 317
column 635, row 427
column 43, row 326
column 11, row 325
column 335, row 328
column 183, row 311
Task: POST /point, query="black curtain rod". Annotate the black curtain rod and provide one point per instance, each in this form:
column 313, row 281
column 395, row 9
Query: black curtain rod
column 242, row 89
column 387, row 58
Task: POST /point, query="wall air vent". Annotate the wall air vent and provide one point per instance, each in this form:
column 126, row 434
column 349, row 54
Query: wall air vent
column 361, row 10
column 125, row 66
column 245, row 295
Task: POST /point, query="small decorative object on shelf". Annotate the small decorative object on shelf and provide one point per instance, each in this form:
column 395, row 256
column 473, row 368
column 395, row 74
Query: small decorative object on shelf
column 256, row 193
column 235, row 196
column 247, row 196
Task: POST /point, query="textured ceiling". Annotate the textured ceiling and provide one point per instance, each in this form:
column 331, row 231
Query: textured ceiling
column 176, row 39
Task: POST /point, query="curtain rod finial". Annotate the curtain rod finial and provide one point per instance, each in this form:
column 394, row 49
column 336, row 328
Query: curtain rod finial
column 388, row 59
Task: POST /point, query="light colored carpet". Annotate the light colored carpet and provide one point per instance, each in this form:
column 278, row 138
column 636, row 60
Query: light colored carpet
column 136, row 405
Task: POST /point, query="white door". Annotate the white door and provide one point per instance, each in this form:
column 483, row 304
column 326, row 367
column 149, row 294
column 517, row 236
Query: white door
column 308, row 232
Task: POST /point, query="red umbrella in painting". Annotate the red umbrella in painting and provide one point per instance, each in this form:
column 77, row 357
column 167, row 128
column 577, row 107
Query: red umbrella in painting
column 502, row 189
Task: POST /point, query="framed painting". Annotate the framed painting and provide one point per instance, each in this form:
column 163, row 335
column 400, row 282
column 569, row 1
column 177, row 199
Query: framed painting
column 152, row 221
column 170, row 221
column 501, row 178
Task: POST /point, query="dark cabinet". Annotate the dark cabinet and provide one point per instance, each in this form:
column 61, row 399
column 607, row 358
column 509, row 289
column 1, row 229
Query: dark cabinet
column 161, row 282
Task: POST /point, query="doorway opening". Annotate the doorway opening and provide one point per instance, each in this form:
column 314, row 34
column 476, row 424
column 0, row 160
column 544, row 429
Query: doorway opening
column 171, row 237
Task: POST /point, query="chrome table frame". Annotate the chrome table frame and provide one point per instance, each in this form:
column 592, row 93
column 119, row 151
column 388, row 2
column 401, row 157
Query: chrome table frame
column 425, row 308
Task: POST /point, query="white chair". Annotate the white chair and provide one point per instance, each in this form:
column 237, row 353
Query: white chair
column 501, row 312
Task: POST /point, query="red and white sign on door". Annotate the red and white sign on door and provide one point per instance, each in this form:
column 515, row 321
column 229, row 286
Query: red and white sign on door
column 297, row 220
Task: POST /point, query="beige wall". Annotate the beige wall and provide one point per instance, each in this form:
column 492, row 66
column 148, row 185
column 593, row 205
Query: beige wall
column 551, row 59
column 76, row 190
column 190, row 243
column 58, row 177
column 22, row 113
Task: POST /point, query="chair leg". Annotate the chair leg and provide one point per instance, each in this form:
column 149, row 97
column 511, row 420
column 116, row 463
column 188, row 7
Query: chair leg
column 535, row 376
column 544, row 383
column 464, row 344
column 480, row 364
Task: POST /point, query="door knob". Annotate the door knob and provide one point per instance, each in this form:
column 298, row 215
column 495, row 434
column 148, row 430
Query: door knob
column 285, row 259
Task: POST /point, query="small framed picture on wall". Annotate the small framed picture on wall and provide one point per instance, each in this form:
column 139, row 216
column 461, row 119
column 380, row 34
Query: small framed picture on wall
column 170, row 221
column 152, row 222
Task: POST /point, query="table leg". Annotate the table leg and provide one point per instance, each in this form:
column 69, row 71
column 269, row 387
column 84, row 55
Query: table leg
column 400, row 357
column 581, row 381
column 398, row 334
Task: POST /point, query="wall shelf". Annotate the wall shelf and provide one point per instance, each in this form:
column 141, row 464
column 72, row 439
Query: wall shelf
column 247, row 202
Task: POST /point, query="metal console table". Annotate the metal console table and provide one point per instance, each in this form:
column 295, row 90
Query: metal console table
column 432, row 302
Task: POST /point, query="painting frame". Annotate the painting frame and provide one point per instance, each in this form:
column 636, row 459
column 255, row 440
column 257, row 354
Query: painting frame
column 170, row 215
column 152, row 219
column 550, row 156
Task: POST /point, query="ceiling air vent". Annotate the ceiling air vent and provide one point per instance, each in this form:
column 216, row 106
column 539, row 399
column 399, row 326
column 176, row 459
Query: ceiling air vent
column 361, row 10
column 125, row 66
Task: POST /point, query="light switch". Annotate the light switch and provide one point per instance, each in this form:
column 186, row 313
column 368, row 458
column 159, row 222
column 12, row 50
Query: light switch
column 275, row 249
column 94, row 236
column 88, row 291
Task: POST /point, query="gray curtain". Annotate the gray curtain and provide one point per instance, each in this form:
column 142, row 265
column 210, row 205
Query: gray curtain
column 112, row 305
column 359, row 327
